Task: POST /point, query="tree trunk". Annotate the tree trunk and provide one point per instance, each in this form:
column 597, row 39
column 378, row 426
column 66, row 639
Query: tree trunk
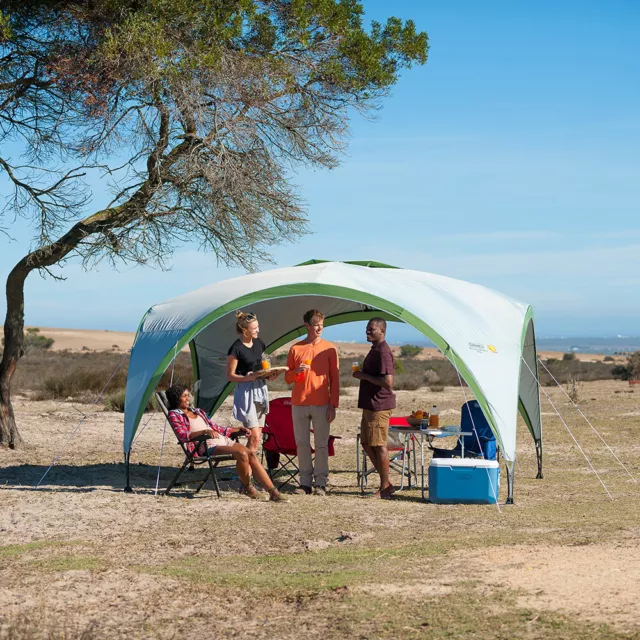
column 13, row 351
column 101, row 222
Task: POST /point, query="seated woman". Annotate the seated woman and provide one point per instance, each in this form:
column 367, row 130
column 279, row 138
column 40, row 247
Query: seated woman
column 188, row 422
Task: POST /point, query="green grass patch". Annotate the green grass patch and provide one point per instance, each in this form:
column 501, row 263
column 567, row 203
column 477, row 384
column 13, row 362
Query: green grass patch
column 315, row 570
column 50, row 556
column 467, row 613
column 68, row 563
column 16, row 550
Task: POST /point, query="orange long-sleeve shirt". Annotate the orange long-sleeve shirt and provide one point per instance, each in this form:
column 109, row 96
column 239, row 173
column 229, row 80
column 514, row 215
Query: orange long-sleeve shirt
column 321, row 384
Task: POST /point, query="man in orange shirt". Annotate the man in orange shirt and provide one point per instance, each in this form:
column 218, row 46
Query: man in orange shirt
column 314, row 371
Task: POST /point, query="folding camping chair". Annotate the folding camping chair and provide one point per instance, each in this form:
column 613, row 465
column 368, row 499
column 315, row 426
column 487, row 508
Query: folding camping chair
column 279, row 442
column 191, row 458
column 480, row 444
column 402, row 455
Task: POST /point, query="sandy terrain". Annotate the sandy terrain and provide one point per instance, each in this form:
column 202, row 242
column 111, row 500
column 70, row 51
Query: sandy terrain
column 94, row 340
column 88, row 339
column 78, row 554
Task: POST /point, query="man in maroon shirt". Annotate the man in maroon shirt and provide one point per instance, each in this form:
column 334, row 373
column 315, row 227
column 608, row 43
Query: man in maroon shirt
column 377, row 401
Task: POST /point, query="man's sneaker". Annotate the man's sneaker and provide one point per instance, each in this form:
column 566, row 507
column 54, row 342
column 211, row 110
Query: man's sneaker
column 320, row 491
column 303, row 490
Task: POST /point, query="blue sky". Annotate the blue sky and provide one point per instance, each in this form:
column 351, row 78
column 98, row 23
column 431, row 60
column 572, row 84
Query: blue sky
column 511, row 159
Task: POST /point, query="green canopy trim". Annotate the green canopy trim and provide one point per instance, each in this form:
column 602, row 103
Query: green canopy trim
column 380, row 305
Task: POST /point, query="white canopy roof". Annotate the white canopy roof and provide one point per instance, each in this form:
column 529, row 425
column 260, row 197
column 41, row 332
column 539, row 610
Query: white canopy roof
column 483, row 333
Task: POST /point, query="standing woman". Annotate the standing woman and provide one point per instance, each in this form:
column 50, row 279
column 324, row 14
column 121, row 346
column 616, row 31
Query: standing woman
column 251, row 397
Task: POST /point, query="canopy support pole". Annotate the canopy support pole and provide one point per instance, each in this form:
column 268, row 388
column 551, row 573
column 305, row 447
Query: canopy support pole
column 539, row 457
column 509, row 466
column 127, row 484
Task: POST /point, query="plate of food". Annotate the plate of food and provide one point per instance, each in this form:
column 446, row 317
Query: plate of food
column 416, row 417
column 264, row 373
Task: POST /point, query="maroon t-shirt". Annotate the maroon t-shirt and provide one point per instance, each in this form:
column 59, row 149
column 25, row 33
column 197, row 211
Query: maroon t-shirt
column 379, row 362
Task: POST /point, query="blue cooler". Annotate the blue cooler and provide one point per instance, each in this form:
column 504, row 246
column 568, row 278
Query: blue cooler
column 464, row 480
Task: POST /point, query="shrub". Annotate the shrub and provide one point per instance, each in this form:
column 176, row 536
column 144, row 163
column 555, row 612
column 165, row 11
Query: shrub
column 438, row 388
column 78, row 382
column 630, row 371
column 562, row 370
column 346, row 380
column 431, row 378
column 573, row 389
column 34, row 341
column 398, row 366
column 608, row 359
column 634, row 364
column 621, row 372
column 406, row 384
column 569, row 356
column 410, row 350
column 115, row 401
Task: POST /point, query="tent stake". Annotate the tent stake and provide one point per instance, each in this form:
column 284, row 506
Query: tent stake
column 509, row 466
column 127, row 485
column 539, row 456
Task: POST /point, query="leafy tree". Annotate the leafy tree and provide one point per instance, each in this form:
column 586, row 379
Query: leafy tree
column 207, row 106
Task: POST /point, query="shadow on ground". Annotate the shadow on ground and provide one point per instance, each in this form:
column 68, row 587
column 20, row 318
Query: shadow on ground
column 143, row 478
column 76, row 478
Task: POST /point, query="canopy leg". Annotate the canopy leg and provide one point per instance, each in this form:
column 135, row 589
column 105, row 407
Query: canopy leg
column 127, row 484
column 539, row 456
column 509, row 466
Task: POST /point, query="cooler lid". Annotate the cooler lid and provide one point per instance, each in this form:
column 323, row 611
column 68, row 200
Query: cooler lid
column 464, row 462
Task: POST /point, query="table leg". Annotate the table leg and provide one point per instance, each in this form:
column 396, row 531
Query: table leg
column 409, row 457
column 404, row 461
column 422, row 465
column 358, row 475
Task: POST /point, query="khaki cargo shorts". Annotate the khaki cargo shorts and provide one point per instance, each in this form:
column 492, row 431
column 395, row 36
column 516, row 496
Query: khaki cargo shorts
column 374, row 428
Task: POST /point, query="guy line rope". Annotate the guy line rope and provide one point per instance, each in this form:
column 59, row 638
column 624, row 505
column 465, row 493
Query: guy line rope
column 84, row 417
column 535, row 377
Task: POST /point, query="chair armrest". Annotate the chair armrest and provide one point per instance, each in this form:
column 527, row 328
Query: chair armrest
column 202, row 438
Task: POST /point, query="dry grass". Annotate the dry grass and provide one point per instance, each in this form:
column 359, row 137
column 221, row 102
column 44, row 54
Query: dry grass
column 81, row 376
column 81, row 559
column 53, row 375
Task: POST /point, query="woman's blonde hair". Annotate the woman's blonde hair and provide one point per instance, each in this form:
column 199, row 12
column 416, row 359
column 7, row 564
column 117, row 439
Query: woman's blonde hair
column 243, row 320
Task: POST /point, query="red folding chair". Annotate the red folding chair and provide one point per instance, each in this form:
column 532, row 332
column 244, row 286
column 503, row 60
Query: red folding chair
column 401, row 448
column 279, row 442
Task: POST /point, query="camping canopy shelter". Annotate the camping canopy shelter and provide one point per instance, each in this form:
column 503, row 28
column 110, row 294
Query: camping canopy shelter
column 487, row 336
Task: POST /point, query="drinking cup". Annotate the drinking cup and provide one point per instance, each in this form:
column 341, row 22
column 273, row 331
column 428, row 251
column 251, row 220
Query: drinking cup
column 355, row 366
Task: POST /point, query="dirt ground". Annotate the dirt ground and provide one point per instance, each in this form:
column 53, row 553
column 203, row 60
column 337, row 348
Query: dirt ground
column 80, row 558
